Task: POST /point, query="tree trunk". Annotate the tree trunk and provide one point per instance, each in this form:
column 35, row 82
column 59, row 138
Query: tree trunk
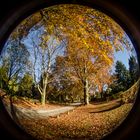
column 45, row 82
column 86, row 94
column 102, row 93
column 43, row 98
column 43, row 89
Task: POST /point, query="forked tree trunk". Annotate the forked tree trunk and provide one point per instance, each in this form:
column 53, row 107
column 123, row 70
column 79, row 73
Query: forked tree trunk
column 45, row 78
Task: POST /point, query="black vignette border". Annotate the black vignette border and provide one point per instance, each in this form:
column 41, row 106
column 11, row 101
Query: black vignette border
column 7, row 6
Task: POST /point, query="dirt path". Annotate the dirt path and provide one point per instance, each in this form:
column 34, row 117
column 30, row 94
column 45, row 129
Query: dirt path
column 32, row 113
column 55, row 111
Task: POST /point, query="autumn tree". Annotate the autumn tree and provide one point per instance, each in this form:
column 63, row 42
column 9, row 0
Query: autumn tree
column 66, row 87
column 89, row 37
column 49, row 48
column 103, row 80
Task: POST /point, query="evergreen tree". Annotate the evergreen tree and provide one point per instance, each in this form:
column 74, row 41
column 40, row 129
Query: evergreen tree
column 123, row 80
column 122, row 74
column 133, row 69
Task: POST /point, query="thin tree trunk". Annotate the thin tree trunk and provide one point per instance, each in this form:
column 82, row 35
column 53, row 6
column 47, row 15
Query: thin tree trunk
column 43, row 95
column 101, row 92
column 86, row 93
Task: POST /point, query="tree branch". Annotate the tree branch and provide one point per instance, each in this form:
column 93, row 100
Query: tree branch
column 40, row 89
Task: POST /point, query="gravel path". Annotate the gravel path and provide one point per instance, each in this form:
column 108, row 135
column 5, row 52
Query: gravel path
column 32, row 113
column 25, row 113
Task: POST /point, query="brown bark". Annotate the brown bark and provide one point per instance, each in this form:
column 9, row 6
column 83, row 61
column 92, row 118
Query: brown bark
column 86, row 92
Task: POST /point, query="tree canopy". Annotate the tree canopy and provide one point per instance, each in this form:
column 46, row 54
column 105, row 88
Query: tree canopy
column 66, row 44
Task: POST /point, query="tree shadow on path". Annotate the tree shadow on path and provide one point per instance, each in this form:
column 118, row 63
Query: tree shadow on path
column 13, row 111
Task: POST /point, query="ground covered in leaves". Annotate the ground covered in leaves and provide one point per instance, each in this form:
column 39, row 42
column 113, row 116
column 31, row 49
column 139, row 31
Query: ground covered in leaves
column 82, row 123
column 29, row 103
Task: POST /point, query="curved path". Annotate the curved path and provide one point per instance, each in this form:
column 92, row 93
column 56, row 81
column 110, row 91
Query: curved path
column 39, row 113
column 26, row 113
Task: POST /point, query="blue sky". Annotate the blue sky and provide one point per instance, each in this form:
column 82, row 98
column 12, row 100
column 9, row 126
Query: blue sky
column 123, row 56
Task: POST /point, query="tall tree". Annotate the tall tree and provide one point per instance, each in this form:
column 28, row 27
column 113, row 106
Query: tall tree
column 103, row 79
column 133, row 69
column 68, row 86
column 122, row 75
column 90, row 39
column 14, row 60
column 90, row 35
column 49, row 49
column 83, row 66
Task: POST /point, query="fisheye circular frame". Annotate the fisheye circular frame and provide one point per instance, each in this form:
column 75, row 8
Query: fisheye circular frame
column 116, row 12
